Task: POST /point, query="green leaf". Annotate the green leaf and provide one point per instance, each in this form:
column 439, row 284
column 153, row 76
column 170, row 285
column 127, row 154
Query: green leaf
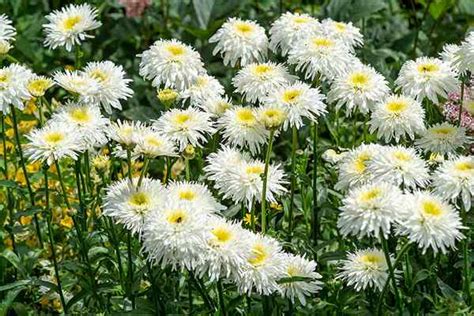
column 448, row 291
column 203, row 9
column 294, row 279
column 8, row 184
column 363, row 9
column 466, row 7
column 420, row 276
column 19, row 283
column 438, row 7
column 140, row 113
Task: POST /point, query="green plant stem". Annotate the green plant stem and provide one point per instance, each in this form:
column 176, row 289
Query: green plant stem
column 220, row 291
column 315, row 217
column 168, row 169
column 188, row 169
column 130, row 267
column 202, row 291
column 466, row 259
column 77, row 170
column 391, row 273
column 25, row 173
column 87, row 172
column 78, row 57
column 265, row 179
column 252, row 215
column 294, row 145
column 143, row 171
column 129, row 165
column 51, row 239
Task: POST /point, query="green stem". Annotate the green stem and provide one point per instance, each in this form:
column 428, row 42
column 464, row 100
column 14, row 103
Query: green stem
column 78, row 56
column 143, row 172
column 265, row 179
column 23, row 167
column 188, row 169
column 202, row 291
column 294, row 145
column 391, row 273
column 466, row 259
column 220, row 291
column 130, row 267
column 252, row 215
column 87, row 172
column 129, row 165
column 315, row 217
column 168, row 169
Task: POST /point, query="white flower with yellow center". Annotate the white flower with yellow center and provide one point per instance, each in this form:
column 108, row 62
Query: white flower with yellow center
column 113, row 86
column 13, row 87
column 300, row 101
column 400, row 166
column 427, row 77
column 37, row 85
column 256, row 81
column 69, row 26
column 86, row 120
column 188, row 126
column 223, row 257
column 263, row 267
column 369, row 210
column 430, row 222
column 171, row 63
column 290, row 28
column 219, row 165
column 442, row 138
column 77, row 83
column 299, row 267
column 397, row 117
column 216, row 106
column 195, row 195
column 54, row 141
column 449, row 55
column 358, row 89
column 175, row 234
column 128, row 205
column 347, row 33
column 203, row 88
column 241, row 127
column 240, row 42
column 454, row 180
column 353, row 167
column 7, row 31
column 332, row 156
column 464, row 56
column 365, row 269
column 152, row 144
column 125, row 132
column 272, row 116
column 320, row 55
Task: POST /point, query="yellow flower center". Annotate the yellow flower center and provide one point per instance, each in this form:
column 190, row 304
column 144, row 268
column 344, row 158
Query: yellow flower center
column 255, row 170
column 370, row 195
column 243, row 28
column 431, row 208
column 187, row 194
column 262, row 69
column 4, row 78
column 99, row 75
column 181, row 118
column 272, row 118
column 396, row 106
column 53, row 138
column 300, row 19
column 176, row 216
column 359, row 79
column 360, row 163
column 167, row 95
column 323, row 42
column 139, row 199
column 259, row 255
column 222, row 234
column 222, row 107
column 464, row 166
column 292, row 271
column 70, row 22
column 339, row 26
column 246, row 117
column 175, row 49
column 443, row 131
column 402, row 156
column 371, row 259
column 80, row 115
column 428, row 68
column 38, row 87
column 153, row 141
column 290, row 96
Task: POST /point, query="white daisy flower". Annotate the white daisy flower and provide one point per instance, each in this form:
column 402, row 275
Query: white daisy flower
column 344, row 32
column 442, row 138
column 53, row 142
column 86, row 120
column 449, row 55
column 240, row 42
column 290, row 28
column 365, row 269
column 69, row 26
column 152, row 144
column 241, row 127
column 220, row 165
column 193, row 194
column 216, row 106
column 112, row 85
column 7, row 31
column 430, row 222
column 171, row 63
column 129, row 205
column 77, row 83
column 188, row 126
column 13, row 87
column 464, row 56
column 264, row 265
column 454, row 179
column 299, row 101
column 256, row 81
column 358, row 89
column 427, row 77
column 397, row 117
column 37, row 85
column 333, row 157
column 300, row 267
column 400, row 166
column 125, row 133
column 320, row 55
column 203, row 88
column 369, row 210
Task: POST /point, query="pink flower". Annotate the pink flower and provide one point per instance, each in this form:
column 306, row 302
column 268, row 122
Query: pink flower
column 135, row 8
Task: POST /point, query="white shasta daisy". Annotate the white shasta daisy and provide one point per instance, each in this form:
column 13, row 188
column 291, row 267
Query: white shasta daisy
column 195, row 195
column 347, row 33
column 442, row 138
column 37, row 85
column 13, row 87
column 7, row 31
column 464, row 56
column 202, row 88
column 216, row 106
column 152, row 144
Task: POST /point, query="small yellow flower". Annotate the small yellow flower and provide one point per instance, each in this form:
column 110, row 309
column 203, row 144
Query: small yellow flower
column 38, row 85
column 101, row 162
column 69, row 67
column 167, row 96
column 248, row 219
column 66, row 222
column 276, row 206
column 189, row 152
column 8, row 243
column 25, row 220
column 30, row 107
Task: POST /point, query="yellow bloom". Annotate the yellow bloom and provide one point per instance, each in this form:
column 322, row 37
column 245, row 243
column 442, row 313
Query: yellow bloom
column 67, row 222
column 25, row 220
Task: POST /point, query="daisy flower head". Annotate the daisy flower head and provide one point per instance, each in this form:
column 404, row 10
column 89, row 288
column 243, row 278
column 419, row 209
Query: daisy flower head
column 347, row 33
column 13, row 86
column 168, row 96
column 454, row 180
column 125, row 132
column 129, row 205
column 263, row 266
column 86, row 120
column 320, row 55
column 175, row 234
column 241, row 127
column 203, row 88
column 290, row 28
column 442, row 138
column 365, row 269
column 464, row 56
column 171, row 63
column 37, row 85
column 195, row 195
column 188, row 126
column 240, row 42
column 112, row 85
column 299, row 101
column 427, row 77
column 152, row 144
column 77, row 83
column 297, row 266
column 430, row 222
column 7, row 31
column 397, row 117
column 216, row 106
column 400, row 166
column 220, row 165
column 332, row 156
column 70, row 26
column 54, row 141
column 358, row 89
column 449, row 55
column 353, row 167
column 369, row 210
column 256, row 81
column 271, row 116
